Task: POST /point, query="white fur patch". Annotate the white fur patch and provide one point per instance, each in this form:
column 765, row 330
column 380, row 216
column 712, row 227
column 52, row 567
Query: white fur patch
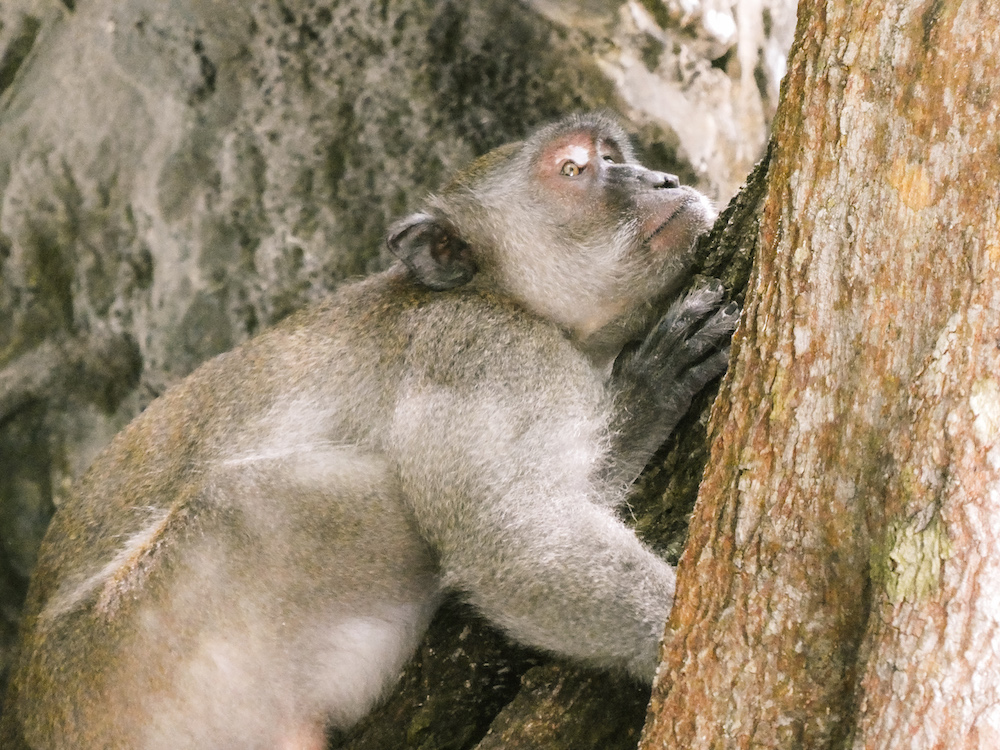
column 578, row 154
column 262, row 690
column 353, row 661
column 73, row 591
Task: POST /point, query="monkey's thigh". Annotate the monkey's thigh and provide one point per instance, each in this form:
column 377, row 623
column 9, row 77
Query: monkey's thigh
column 297, row 602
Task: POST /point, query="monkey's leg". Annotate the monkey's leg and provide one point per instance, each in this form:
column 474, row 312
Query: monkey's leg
column 340, row 582
column 289, row 599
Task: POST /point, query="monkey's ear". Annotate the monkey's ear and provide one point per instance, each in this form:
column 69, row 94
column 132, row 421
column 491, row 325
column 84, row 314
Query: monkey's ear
column 433, row 252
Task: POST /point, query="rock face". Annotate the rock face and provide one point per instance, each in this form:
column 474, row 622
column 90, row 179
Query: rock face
column 176, row 174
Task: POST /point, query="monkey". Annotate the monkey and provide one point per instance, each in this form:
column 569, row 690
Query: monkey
column 251, row 562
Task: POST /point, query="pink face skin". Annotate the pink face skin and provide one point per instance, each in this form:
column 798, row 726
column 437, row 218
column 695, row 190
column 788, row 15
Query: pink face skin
column 571, row 167
column 579, row 170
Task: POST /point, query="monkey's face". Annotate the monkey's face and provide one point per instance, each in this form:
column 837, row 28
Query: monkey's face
column 568, row 223
column 610, row 235
column 597, row 193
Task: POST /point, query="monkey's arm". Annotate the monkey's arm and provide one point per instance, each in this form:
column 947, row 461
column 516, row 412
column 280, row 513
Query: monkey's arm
column 501, row 457
column 655, row 382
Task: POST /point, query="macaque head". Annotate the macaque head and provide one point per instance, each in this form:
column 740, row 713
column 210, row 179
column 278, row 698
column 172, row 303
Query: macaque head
column 569, row 224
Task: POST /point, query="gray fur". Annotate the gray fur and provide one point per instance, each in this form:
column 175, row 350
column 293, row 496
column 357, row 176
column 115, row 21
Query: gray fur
column 257, row 555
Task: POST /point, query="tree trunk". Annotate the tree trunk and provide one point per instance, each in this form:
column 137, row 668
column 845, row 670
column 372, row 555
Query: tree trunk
column 839, row 584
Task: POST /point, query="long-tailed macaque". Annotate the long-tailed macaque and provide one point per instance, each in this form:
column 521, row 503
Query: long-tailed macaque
column 256, row 556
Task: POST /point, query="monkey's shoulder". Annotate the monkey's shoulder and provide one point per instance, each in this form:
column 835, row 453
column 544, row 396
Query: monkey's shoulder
column 478, row 338
column 403, row 322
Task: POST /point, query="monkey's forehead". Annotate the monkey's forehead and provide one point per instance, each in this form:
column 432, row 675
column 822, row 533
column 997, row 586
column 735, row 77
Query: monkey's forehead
column 597, row 124
column 585, row 130
column 485, row 164
column 582, row 147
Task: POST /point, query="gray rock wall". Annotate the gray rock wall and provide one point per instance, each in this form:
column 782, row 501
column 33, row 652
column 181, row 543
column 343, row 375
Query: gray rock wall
column 176, row 174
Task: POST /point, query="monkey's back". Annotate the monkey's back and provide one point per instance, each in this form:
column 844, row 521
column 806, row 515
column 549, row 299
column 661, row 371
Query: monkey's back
column 172, row 567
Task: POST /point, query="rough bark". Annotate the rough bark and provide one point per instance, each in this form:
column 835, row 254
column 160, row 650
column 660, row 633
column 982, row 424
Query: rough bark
column 839, row 586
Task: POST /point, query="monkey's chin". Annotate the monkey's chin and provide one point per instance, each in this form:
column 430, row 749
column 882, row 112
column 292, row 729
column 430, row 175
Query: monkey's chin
column 685, row 219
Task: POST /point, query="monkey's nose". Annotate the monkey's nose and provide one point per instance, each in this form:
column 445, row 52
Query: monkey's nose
column 664, row 180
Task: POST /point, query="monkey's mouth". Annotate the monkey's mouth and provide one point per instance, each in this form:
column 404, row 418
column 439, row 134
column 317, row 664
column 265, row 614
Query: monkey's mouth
column 678, row 222
column 663, row 224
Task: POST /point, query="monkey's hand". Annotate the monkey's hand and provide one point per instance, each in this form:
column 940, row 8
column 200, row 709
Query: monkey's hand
column 656, row 381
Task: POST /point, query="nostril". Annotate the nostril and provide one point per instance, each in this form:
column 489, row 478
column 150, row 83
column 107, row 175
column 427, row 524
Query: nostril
column 669, row 180
column 647, row 177
column 662, row 179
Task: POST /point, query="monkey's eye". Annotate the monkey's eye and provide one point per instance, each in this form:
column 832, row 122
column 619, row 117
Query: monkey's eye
column 610, row 159
column 570, row 169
